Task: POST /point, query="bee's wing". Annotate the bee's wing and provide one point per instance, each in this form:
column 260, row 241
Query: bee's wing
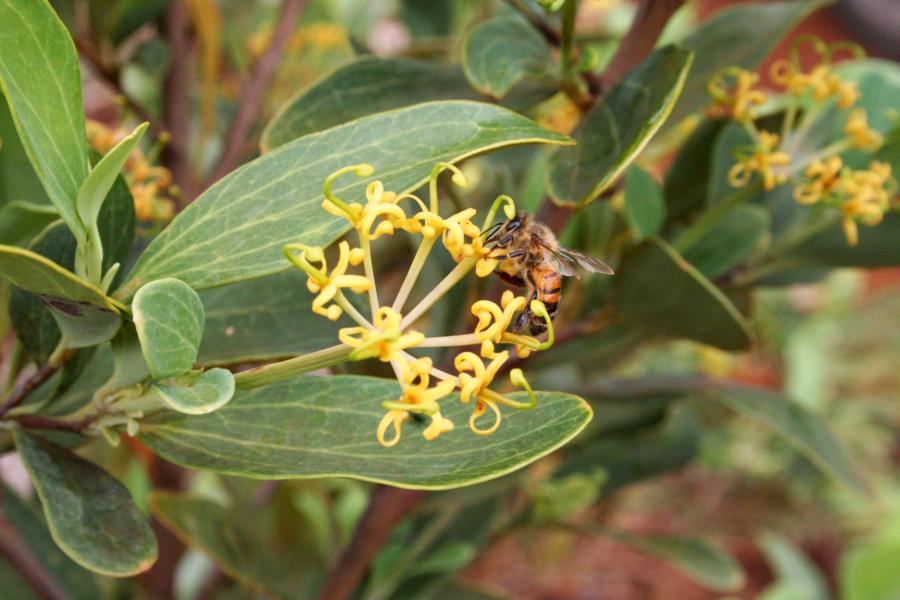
column 563, row 264
column 588, row 263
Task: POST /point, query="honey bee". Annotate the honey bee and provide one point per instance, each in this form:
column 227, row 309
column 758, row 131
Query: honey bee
column 532, row 258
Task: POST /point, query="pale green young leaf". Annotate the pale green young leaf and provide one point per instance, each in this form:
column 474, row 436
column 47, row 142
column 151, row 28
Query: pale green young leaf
column 212, row 390
column 659, row 291
column 168, row 316
column 40, row 78
column 237, row 229
column 90, row 514
column 645, row 209
column 617, row 128
column 325, row 427
column 796, row 576
column 365, row 86
column 740, row 36
column 501, row 51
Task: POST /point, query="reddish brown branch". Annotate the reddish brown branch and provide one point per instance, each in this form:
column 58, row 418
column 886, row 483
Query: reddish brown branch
column 38, row 422
column 176, row 111
column 646, row 28
column 387, row 507
column 21, row 391
column 254, row 91
column 17, row 553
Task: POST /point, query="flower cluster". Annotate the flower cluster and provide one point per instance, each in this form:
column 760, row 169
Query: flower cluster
column 151, row 185
column 861, row 195
column 388, row 335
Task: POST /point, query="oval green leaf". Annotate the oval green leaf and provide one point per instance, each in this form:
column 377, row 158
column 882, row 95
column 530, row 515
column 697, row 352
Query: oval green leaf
column 325, row 427
column 618, row 127
column 168, row 316
column 660, row 291
column 363, row 87
column 645, row 209
column 40, row 78
column 20, row 221
column 90, row 514
column 237, row 229
column 39, row 275
column 733, row 239
column 498, row 53
column 212, row 390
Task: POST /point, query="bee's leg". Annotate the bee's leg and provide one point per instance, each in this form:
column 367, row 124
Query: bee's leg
column 527, row 316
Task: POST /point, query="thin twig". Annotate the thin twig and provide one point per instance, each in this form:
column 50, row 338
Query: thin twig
column 648, row 24
column 17, row 553
column 21, row 391
column 254, row 91
column 110, row 74
column 176, row 95
column 387, row 507
column 38, row 422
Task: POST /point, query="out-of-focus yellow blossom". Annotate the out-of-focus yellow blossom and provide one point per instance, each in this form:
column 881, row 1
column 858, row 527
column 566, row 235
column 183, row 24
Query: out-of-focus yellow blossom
column 764, row 159
column 868, row 196
column 734, row 95
column 823, row 176
column 151, row 185
column 385, row 340
column 328, row 286
column 861, row 135
column 388, row 336
column 821, row 82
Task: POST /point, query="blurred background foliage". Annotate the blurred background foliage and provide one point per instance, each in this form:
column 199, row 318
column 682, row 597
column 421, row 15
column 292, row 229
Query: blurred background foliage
column 669, row 494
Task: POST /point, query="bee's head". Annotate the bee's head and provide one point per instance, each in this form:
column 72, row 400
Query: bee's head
column 502, row 233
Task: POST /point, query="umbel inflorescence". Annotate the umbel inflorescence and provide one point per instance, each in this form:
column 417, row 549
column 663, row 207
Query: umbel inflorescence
column 388, row 334
column 818, row 177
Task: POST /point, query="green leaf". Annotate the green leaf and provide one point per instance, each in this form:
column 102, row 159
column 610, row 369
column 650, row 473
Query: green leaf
column 658, row 290
column 685, row 185
column 730, row 242
column 741, row 36
column 804, row 430
column 265, row 318
column 701, row 559
column 20, row 221
column 129, row 366
column 91, row 196
column 237, row 229
column 212, row 390
column 33, row 319
column 226, row 537
column 796, row 575
column 723, row 157
column 645, row 209
column 325, row 427
column 74, row 580
column 18, row 181
column 501, row 51
column 169, row 317
column 40, row 78
column 90, row 514
column 618, row 127
column 36, row 274
column 365, row 86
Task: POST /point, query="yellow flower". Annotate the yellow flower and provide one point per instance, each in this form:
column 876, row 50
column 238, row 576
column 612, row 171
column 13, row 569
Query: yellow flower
column 737, row 102
column 385, row 340
column 868, row 197
column 417, row 397
column 328, row 286
column 821, row 82
column 494, row 320
column 857, row 128
column 474, row 378
column 823, row 175
column 763, row 160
